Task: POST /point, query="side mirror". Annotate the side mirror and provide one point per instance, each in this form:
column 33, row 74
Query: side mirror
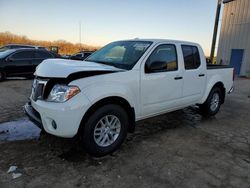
column 156, row 66
column 9, row 59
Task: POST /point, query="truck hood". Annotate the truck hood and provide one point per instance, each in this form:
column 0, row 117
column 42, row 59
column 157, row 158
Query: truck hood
column 62, row 68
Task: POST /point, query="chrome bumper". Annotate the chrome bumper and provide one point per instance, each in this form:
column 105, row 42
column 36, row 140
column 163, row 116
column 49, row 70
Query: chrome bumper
column 231, row 90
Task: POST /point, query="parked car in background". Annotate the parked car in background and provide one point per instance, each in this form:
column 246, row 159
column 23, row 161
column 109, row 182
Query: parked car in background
column 22, row 62
column 209, row 62
column 126, row 81
column 81, row 55
column 54, row 49
column 65, row 56
column 17, row 46
column 56, row 55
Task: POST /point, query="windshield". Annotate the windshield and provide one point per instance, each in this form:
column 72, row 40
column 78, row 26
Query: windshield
column 121, row 54
column 5, row 53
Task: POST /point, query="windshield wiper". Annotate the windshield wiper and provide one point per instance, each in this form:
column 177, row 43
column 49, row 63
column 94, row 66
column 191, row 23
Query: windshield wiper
column 107, row 63
column 101, row 62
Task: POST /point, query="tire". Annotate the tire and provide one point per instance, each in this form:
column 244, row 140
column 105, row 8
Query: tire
column 2, row 76
column 99, row 141
column 213, row 102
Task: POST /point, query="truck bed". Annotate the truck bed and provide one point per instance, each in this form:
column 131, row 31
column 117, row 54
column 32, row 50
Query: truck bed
column 223, row 73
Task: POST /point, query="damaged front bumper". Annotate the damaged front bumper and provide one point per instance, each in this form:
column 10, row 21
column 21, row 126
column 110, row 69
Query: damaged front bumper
column 33, row 115
column 231, row 90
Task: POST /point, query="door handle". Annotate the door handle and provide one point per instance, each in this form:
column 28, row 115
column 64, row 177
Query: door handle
column 201, row 75
column 178, row 78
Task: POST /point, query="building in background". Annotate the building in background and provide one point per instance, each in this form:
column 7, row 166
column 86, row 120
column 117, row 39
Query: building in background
column 234, row 42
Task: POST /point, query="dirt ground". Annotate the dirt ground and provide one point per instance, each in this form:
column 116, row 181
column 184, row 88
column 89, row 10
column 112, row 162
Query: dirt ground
column 199, row 152
column 13, row 95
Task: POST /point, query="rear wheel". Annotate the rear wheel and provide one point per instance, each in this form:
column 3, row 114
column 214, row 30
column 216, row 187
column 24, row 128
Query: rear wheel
column 105, row 130
column 213, row 102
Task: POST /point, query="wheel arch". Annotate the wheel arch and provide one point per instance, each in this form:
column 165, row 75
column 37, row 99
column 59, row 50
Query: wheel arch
column 218, row 84
column 222, row 88
column 111, row 100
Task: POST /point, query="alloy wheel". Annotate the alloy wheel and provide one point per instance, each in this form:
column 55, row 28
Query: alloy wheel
column 107, row 130
column 215, row 102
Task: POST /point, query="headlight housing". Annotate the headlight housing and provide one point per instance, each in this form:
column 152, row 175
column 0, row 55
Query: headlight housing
column 62, row 93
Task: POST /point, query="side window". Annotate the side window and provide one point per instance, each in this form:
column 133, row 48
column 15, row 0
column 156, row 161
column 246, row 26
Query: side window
column 23, row 55
column 42, row 55
column 191, row 57
column 162, row 59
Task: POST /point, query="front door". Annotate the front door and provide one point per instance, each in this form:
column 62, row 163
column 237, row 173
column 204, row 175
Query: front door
column 236, row 59
column 161, row 81
column 20, row 63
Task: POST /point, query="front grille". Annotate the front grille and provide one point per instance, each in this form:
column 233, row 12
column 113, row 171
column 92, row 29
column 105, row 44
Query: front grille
column 38, row 92
column 38, row 88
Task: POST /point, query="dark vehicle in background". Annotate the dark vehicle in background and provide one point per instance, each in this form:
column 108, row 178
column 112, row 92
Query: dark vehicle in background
column 54, row 49
column 81, row 55
column 17, row 46
column 55, row 55
column 22, row 62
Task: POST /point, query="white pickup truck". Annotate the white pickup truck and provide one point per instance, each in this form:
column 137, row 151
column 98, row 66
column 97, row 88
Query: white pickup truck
column 101, row 98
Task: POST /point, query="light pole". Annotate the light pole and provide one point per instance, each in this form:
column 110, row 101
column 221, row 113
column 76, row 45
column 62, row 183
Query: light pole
column 80, row 35
column 216, row 24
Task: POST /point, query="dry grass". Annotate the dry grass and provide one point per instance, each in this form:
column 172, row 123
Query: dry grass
column 65, row 47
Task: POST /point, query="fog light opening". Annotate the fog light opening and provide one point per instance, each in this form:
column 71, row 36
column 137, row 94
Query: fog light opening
column 54, row 125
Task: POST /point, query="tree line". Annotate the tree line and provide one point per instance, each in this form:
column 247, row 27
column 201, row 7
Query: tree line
column 65, row 47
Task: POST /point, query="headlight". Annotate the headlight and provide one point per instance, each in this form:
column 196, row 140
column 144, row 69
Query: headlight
column 62, row 93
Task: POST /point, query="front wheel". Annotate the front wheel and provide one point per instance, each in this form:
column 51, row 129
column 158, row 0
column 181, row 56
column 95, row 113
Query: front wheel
column 2, row 76
column 213, row 102
column 105, row 130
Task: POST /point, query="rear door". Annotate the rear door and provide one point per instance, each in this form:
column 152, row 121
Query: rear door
column 194, row 74
column 161, row 90
column 40, row 55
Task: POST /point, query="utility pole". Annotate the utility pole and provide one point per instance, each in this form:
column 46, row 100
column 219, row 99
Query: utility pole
column 216, row 24
column 80, row 35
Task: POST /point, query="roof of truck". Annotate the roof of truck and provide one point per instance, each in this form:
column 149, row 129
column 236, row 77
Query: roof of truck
column 164, row 40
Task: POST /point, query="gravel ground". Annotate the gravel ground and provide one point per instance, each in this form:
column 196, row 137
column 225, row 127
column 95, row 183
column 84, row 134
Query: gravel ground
column 199, row 152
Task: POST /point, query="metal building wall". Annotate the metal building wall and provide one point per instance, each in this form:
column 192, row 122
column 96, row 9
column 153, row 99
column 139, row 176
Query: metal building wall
column 235, row 33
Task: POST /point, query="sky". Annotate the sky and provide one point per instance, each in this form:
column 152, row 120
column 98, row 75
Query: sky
column 104, row 21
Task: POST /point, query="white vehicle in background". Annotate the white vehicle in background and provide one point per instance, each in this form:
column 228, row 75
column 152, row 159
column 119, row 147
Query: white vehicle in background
column 80, row 55
column 101, row 98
